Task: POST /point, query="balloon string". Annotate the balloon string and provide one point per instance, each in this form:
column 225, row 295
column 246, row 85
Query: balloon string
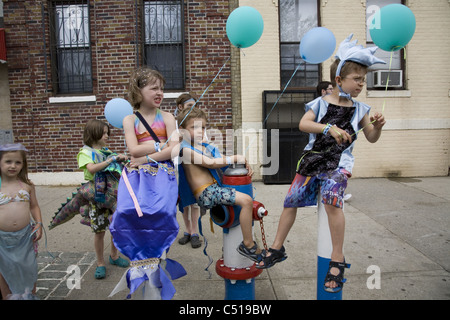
column 274, row 105
column 285, row 87
column 207, row 88
column 385, row 90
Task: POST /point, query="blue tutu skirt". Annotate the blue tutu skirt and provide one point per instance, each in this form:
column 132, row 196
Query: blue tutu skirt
column 18, row 264
column 148, row 237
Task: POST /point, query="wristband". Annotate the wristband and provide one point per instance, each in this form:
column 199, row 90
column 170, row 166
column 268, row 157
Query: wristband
column 148, row 158
column 157, row 148
column 228, row 160
column 326, row 129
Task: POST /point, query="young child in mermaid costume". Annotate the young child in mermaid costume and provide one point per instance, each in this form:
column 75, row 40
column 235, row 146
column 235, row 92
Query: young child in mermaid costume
column 144, row 225
column 18, row 233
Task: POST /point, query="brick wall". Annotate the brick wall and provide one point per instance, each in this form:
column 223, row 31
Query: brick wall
column 53, row 131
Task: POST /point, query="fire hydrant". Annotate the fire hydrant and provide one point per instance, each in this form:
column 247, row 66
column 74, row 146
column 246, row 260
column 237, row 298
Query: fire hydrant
column 238, row 271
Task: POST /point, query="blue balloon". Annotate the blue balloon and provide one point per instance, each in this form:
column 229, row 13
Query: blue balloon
column 317, row 45
column 116, row 109
column 393, row 27
column 244, row 27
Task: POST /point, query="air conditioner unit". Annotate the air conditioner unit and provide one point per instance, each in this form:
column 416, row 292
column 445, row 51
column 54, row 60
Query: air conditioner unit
column 380, row 78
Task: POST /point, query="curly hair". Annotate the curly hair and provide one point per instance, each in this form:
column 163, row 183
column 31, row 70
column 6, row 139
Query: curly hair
column 139, row 78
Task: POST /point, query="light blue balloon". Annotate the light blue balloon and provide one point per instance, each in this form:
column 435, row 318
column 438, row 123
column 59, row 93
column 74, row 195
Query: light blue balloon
column 317, row 45
column 116, row 109
column 244, row 27
column 392, row 27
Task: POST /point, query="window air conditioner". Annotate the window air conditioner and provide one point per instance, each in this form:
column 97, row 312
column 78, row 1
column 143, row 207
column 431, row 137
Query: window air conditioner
column 380, row 78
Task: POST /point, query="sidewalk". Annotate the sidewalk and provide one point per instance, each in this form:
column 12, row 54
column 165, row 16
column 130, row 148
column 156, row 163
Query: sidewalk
column 400, row 225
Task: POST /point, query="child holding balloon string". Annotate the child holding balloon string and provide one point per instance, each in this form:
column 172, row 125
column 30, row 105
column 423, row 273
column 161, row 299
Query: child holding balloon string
column 144, row 225
column 333, row 122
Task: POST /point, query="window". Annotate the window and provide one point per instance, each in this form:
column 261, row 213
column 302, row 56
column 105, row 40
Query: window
column 376, row 78
column 71, row 51
column 296, row 18
column 163, row 40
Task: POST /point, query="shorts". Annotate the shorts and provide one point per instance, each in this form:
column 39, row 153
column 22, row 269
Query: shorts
column 215, row 195
column 304, row 190
column 99, row 218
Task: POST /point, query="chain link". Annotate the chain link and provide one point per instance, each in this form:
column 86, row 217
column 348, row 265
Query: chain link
column 263, row 234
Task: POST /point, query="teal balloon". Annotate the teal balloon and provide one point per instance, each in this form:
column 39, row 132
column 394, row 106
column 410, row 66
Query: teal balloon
column 116, row 109
column 244, row 27
column 392, row 27
column 317, row 45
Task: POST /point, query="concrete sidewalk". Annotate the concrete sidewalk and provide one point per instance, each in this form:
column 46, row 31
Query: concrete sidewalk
column 401, row 226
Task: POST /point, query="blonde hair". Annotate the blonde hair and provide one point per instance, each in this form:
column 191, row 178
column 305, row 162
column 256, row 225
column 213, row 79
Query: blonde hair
column 23, row 174
column 93, row 131
column 139, row 78
column 195, row 113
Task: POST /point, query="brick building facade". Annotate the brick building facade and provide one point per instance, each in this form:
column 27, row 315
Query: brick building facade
column 50, row 123
column 415, row 140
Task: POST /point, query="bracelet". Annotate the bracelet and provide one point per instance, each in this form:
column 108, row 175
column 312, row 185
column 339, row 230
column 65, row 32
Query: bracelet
column 157, row 148
column 228, row 160
column 326, row 129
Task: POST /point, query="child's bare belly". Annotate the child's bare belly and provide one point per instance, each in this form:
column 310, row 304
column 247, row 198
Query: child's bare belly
column 197, row 177
column 14, row 216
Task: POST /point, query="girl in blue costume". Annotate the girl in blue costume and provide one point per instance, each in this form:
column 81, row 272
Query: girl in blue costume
column 18, row 232
column 144, row 225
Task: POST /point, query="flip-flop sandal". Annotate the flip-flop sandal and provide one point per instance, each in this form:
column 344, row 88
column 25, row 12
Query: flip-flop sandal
column 275, row 257
column 339, row 278
column 100, row 272
column 250, row 253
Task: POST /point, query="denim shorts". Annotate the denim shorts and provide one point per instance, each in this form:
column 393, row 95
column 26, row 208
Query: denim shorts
column 304, row 190
column 215, row 195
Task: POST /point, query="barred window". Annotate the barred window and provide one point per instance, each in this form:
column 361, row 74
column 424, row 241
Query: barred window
column 163, row 40
column 296, row 18
column 71, row 50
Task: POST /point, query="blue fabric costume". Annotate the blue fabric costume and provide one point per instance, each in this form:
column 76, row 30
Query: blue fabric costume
column 146, row 239
column 186, row 196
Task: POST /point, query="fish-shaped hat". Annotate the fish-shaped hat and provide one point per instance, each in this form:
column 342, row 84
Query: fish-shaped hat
column 350, row 51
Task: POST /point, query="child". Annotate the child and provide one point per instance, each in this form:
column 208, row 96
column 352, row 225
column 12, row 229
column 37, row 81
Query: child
column 200, row 172
column 94, row 161
column 144, row 225
column 18, row 238
column 187, row 201
column 326, row 163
